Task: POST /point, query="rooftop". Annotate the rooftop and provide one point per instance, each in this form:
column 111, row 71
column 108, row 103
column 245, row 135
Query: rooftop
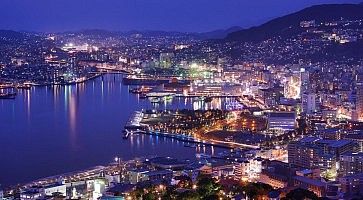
column 310, row 181
column 282, row 115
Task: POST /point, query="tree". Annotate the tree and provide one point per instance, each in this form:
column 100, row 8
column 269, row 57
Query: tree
column 301, row 194
column 148, row 196
column 188, row 195
column 207, row 186
column 170, row 193
column 256, row 190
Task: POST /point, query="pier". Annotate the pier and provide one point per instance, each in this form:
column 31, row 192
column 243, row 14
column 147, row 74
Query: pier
column 163, row 94
column 180, row 137
column 134, row 126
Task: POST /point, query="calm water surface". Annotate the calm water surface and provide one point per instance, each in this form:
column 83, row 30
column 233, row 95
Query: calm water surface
column 52, row 130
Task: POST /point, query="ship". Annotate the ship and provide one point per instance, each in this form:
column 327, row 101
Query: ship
column 155, row 100
column 125, row 135
column 23, row 86
column 139, row 90
column 142, row 96
column 168, row 98
column 9, row 95
column 129, row 80
column 190, row 145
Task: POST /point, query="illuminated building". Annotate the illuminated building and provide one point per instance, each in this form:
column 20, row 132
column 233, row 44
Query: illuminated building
column 357, row 137
column 359, row 99
column 97, row 186
column 141, row 175
column 43, row 191
column 271, row 96
column 316, row 186
column 180, row 46
column 30, row 194
column 352, row 183
column 248, row 170
column 284, row 121
column 309, row 157
column 118, row 192
column 55, row 188
column 307, row 24
column 79, row 48
column 313, row 152
column 310, row 103
column 252, row 123
column 351, row 163
column 278, row 174
column 328, row 114
column 305, row 81
column 292, row 86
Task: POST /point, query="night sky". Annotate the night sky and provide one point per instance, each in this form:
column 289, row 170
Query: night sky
column 124, row 15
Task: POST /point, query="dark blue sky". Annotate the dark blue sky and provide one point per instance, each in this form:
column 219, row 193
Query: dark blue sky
column 176, row 15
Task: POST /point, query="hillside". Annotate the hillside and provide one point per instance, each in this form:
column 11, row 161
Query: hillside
column 289, row 24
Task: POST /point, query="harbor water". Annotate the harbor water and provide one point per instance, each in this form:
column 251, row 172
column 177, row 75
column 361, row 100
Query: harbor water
column 51, row 130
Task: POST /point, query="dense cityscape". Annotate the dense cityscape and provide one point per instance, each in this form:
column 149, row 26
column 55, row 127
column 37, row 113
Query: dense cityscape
column 282, row 102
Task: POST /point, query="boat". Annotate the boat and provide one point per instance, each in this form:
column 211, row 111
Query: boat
column 23, row 86
column 142, row 96
column 141, row 90
column 125, row 134
column 9, row 95
column 131, row 80
column 135, row 91
column 168, row 98
column 190, row 145
column 155, row 100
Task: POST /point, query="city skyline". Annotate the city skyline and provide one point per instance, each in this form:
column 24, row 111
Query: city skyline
column 158, row 15
column 274, row 111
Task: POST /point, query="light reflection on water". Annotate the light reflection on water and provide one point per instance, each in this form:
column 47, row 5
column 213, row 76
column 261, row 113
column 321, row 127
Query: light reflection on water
column 56, row 129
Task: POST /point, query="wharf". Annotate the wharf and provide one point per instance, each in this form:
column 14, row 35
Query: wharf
column 207, row 95
column 180, row 137
column 163, row 94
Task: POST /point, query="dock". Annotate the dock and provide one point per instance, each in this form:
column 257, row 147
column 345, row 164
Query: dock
column 163, row 94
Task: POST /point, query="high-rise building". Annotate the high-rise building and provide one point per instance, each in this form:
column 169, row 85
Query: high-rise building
column 271, row 96
column 351, row 163
column 359, row 99
column 305, row 81
column 292, row 86
column 313, row 152
column 309, row 103
column 284, row 121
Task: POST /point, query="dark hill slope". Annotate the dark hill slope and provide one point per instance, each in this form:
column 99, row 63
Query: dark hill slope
column 289, row 24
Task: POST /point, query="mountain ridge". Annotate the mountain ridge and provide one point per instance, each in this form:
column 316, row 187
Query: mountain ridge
column 283, row 25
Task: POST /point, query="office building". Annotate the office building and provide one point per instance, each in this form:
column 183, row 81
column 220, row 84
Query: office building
column 316, row 186
column 351, row 163
column 141, row 175
column 305, row 81
column 310, row 103
column 359, row 98
column 248, row 170
column 313, row 152
column 352, row 184
column 284, row 121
